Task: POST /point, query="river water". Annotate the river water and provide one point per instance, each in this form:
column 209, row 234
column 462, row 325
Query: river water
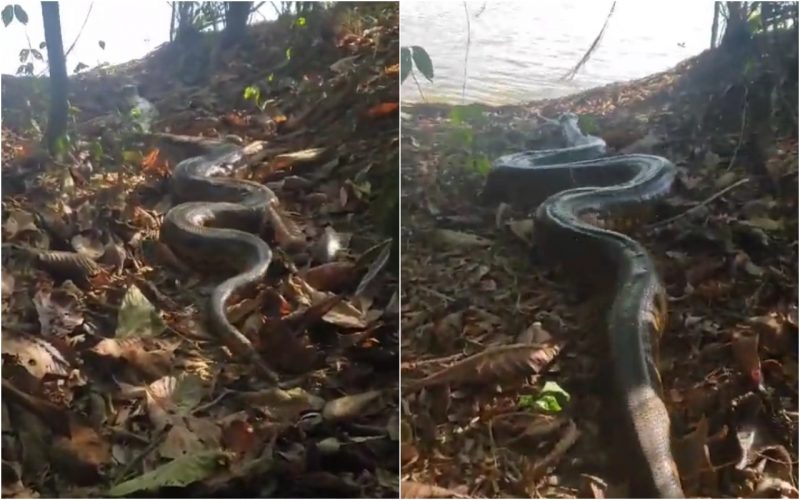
column 519, row 50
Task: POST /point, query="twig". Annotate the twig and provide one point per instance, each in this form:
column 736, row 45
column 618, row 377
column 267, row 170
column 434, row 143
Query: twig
column 419, row 88
column 77, row 37
column 571, row 73
column 701, row 204
column 466, row 54
column 141, row 456
column 741, row 129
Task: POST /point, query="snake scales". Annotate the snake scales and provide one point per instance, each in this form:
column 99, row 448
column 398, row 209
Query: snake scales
column 568, row 185
column 212, row 228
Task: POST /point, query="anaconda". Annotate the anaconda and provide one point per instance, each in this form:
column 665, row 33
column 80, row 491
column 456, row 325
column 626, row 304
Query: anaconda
column 570, row 185
column 212, row 228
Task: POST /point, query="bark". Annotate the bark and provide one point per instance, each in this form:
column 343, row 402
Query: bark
column 236, row 14
column 57, row 120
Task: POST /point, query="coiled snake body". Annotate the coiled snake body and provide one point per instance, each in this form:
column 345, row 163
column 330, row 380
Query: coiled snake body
column 213, row 228
column 569, row 185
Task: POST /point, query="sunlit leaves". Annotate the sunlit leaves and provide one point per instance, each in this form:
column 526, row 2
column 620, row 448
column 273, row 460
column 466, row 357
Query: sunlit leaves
column 301, row 21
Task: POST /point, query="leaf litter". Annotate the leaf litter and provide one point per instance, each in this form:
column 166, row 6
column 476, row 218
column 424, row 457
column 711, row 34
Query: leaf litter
column 725, row 243
column 113, row 386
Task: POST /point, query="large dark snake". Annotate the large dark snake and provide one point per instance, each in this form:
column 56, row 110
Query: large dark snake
column 569, row 185
column 212, row 228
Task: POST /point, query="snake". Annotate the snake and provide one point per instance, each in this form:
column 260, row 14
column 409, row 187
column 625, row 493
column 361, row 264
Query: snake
column 573, row 188
column 212, row 227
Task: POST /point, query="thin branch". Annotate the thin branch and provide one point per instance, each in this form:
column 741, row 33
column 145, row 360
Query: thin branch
column 85, row 19
column 418, row 85
column 699, row 205
column 466, row 54
column 571, row 73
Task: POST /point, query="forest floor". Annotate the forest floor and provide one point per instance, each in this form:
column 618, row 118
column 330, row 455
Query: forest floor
column 112, row 384
column 725, row 244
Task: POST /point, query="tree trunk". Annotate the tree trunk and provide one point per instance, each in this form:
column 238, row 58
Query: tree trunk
column 737, row 32
column 715, row 24
column 236, row 14
column 57, row 121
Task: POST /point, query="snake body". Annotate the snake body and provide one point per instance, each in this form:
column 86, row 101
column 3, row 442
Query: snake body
column 567, row 185
column 212, row 228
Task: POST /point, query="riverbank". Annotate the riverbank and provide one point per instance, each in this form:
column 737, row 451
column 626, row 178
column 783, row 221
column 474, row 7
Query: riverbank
column 725, row 244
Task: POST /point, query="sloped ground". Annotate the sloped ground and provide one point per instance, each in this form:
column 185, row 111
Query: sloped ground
column 111, row 382
column 533, row 420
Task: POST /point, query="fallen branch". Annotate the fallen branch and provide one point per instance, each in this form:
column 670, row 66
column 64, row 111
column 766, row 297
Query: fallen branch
column 701, row 204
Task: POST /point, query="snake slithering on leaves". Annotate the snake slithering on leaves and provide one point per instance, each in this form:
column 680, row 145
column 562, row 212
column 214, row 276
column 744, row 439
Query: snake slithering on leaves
column 568, row 184
column 213, row 226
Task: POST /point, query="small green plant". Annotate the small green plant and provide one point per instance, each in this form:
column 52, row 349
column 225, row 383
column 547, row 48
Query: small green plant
column 551, row 399
column 253, row 93
column 463, row 122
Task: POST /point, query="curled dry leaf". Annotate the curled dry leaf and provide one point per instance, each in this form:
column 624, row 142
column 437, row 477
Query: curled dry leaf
column 332, row 276
column 88, row 244
column 496, row 363
column 60, row 312
column 458, row 239
column 353, row 406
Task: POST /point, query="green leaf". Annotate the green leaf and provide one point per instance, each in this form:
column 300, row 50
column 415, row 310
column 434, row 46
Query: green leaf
column 588, row 124
column 252, row 93
column 37, row 55
column 422, row 61
column 137, row 316
column 405, row 63
column 270, row 77
column 20, row 14
column 526, row 402
column 102, row 44
column 42, row 45
column 96, row 150
column 754, row 23
column 301, row 21
column 8, row 14
column 288, row 53
column 180, row 472
column 552, row 397
column 80, row 67
column 23, row 55
column 470, row 113
column 548, row 403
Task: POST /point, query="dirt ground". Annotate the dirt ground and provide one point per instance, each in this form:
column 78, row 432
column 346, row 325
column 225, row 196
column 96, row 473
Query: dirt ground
column 535, row 422
column 112, row 383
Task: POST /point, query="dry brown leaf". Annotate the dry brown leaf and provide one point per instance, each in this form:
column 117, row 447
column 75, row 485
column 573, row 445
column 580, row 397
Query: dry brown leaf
column 457, row 239
column 496, row 363
column 353, row 406
column 333, row 276
column 745, row 351
column 413, row 489
column 693, row 460
column 383, row 109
